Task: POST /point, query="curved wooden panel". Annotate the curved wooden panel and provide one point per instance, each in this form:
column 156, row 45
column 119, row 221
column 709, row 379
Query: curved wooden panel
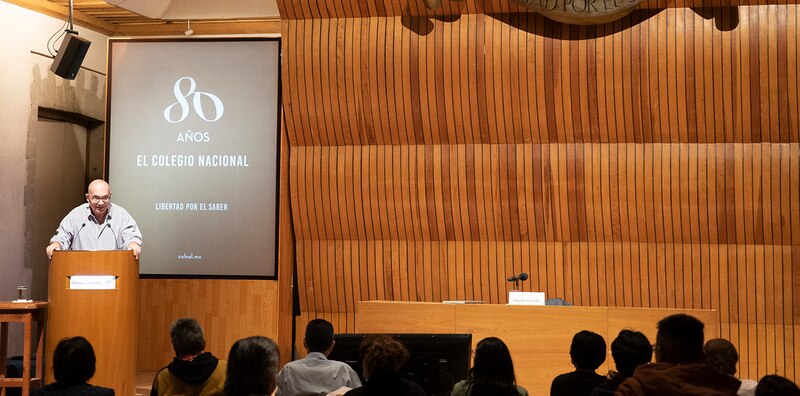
column 592, row 274
column 650, row 162
column 663, row 193
column 520, row 78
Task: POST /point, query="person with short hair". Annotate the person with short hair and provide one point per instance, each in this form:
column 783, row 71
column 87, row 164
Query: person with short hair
column 775, row 385
column 679, row 368
column 97, row 225
column 382, row 358
column 252, row 367
column 193, row 372
column 721, row 355
column 315, row 374
column 492, row 372
column 74, row 364
column 630, row 349
column 588, row 352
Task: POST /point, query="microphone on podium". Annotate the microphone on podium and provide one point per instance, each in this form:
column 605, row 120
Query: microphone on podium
column 521, row 277
column 75, row 237
column 108, row 225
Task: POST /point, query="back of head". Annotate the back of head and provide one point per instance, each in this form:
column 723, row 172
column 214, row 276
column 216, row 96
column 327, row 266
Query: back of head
column 588, row 350
column 774, row 385
column 382, row 354
column 721, row 355
column 319, row 335
column 679, row 340
column 73, row 361
column 252, row 367
column 187, row 337
column 630, row 349
column 492, row 371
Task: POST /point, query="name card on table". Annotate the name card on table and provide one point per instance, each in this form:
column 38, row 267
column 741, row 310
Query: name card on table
column 92, row 282
column 525, row 298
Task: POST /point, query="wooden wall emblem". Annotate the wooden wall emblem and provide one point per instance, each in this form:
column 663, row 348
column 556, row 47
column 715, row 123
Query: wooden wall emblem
column 581, row 12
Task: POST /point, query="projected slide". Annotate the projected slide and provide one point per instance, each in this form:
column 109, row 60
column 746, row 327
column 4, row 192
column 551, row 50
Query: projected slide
column 193, row 152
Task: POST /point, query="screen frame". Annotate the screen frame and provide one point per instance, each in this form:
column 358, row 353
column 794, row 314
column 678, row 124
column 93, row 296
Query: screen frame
column 278, row 140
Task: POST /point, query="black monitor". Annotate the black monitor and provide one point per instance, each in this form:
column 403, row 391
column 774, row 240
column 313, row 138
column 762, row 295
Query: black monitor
column 437, row 361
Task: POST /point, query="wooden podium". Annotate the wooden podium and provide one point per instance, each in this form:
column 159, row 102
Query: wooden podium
column 107, row 318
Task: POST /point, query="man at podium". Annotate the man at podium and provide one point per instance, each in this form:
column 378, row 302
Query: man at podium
column 97, row 225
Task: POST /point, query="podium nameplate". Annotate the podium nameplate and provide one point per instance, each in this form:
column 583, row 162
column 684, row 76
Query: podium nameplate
column 92, row 282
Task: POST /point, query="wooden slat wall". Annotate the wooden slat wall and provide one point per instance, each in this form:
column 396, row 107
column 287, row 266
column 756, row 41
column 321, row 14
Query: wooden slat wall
column 250, row 307
column 650, row 162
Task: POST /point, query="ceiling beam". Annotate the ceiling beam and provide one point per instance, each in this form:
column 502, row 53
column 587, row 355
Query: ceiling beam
column 118, row 22
column 60, row 12
column 169, row 28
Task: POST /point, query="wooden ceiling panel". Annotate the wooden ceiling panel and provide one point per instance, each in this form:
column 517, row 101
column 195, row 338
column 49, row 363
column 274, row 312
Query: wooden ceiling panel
column 108, row 19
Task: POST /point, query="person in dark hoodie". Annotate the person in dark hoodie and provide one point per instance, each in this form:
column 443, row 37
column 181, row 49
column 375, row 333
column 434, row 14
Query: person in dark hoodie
column 679, row 368
column 193, row 372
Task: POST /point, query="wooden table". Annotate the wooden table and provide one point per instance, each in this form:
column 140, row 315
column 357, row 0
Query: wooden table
column 538, row 337
column 25, row 313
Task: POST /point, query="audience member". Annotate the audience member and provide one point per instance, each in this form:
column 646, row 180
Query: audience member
column 630, row 349
column 492, row 372
column 252, row 367
column 315, row 374
column 73, row 365
column 678, row 369
column 775, row 385
column 192, row 372
column 588, row 352
column 382, row 358
column 721, row 355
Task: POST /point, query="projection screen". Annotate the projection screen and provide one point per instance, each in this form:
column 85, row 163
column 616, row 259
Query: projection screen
column 192, row 135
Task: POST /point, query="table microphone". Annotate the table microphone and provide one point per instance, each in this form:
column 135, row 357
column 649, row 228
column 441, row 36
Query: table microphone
column 521, row 277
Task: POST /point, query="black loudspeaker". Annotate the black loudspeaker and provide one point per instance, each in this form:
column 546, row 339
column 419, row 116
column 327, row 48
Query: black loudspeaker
column 70, row 56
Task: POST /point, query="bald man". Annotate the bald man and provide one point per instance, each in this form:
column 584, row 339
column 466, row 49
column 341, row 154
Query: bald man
column 97, row 225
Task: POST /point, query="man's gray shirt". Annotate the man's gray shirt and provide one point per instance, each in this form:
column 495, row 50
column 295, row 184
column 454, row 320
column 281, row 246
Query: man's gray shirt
column 315, row 375
column 80, row 230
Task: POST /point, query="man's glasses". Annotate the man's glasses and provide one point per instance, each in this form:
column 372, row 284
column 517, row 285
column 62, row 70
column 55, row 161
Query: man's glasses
column 97, row 199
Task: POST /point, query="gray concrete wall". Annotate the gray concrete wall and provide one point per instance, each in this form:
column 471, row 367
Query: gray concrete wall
column 25, row 84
